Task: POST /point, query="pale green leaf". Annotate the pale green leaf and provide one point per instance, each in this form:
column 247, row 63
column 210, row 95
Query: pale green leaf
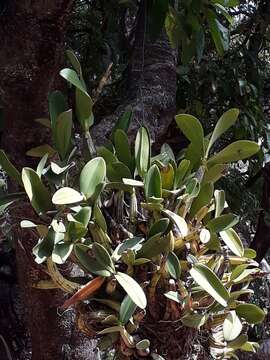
column 208, row 280
column 132, row 288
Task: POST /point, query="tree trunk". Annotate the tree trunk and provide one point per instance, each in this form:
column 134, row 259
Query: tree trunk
column 32, row 36
column 150, row 85
column 261, row 241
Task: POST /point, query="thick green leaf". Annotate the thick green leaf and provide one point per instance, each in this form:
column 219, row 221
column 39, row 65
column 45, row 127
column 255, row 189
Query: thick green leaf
column 175, row 296
column 62, row 133
column 222, row 223
column 99, row 218
column 223, row 124
column 106, row 154
column 214, row 173
column 250, row 253
column 233, row 241
column 142, row 151
column 178, row 221
column 167, row 177
column 122, row 148
column 84, row 215
column 41, row 165
column 181, row 172
column 208, row 280
column 10, row 169
column 154, row 246
column 204, row 197
column 152, row 184
column 132, row 182
column 173, row 266
column 40, row 151
column 132, row 288
column 123, row 122
column 71, row 76
column 103, row 257
column 239, row 150
column 66, row 195
column 89, row 263
column 159, row 226
column 251, row 313
column 39, row 195
column 45, row 247
column 92, row 177
column 84, row 109
column 117, row 171
column 194, row 320
column 219, row 33
column 57, row 105
column 192, row 129
column 219, row 202
column 75, row 230
column 61, row 252
column 127, row 309
column 132, row 244
column 74, row 61
column 143, row 344
column 232, row 326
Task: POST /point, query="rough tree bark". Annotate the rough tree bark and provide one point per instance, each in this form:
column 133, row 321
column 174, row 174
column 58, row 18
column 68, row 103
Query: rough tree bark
column 261, row 241
column 32, row 44
column 32, row 36
column 150, row 85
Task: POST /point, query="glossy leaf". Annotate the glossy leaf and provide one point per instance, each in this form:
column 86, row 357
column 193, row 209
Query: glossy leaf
column 57, row 105
column 159, row 226
column 142, row 151
column 214, row 173
column 9, row 168
column 167, row 177
column 61, row 252
column 152, row 185
column 232, row 326
column 173, row 266
column 89, row 263
column 219, row 202
column 251, row 313
column 219, row 33
column 181, row 172
column 222, row 222
column 239, row 150
column 92, row 177
column 208, row 280
column 62, row 133
column 194, row 320
column 127, row 309
column 233, row 241
column 132, row 288
column 103, row 257
column 122, row 148
column 223, row 124
column 84, row 109
column 41, row 151
column 39, row 195
column 84, row 215
column 154, row 246
column 204, row 197
column 66, row 195
column 123, row 122
column 174, row 296
column 178, row 221
column 192, row 129
column 41, row 165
